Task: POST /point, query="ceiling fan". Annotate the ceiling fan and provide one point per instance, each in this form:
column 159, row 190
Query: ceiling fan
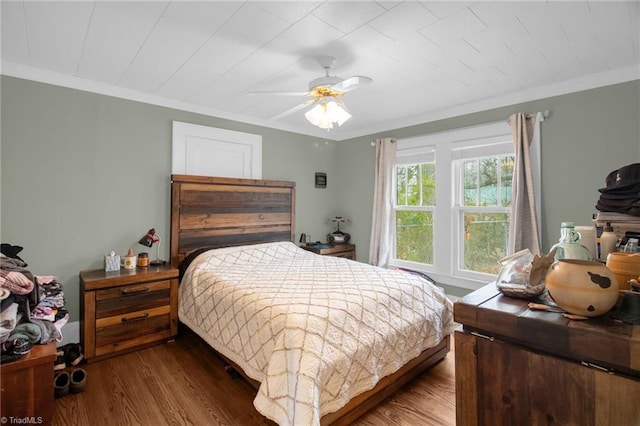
column 326, row 93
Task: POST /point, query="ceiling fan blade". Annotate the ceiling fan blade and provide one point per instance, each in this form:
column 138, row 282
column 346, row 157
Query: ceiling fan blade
column 351, row 83
column 294, row 109
column 275, row 93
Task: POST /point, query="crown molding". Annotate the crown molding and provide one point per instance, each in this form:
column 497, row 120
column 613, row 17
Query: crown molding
column 57, row 79
column 591, row 81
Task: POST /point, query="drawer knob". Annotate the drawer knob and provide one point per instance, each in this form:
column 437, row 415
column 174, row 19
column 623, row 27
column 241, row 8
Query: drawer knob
column 135, row 290
column 146, row 314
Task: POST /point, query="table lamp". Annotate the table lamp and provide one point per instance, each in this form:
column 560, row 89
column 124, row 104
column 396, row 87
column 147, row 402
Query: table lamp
column 148, row 240
column 337, row 236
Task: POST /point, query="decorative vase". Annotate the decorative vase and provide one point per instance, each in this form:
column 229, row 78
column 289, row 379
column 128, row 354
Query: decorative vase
column 625, row 266
column 569, row 247
column 582, row 287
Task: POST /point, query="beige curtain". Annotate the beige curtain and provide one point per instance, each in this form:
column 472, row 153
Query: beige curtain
column 380, row 246
column 523, row 226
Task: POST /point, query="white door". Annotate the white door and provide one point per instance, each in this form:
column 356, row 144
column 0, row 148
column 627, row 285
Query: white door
column 209, row 151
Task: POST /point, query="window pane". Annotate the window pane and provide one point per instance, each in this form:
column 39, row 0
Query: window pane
column 485, row 241
column 428, row 184
column 401, row 186
column 470, row 179
column 506, row 177
column 413, row 185
column 488, row 182
column 414, row 236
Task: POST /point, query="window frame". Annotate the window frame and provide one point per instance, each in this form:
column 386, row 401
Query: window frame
column 447, row 218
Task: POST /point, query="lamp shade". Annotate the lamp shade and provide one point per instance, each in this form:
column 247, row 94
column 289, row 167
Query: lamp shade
column 326, row 112
column 339, row 219
column 149, row 238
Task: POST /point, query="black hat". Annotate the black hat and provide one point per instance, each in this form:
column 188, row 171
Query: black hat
column 11, row 251
column 633, row 194
column 626, row 178
column 604, row 204
column 631, row 211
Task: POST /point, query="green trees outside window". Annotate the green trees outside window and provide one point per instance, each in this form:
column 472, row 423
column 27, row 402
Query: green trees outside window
column 487, row 188
column 414, row 236
column 415, row 199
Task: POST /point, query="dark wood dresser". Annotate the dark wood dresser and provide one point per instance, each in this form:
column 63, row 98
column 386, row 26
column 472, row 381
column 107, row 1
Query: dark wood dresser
column 127, row 310
column 516, row 366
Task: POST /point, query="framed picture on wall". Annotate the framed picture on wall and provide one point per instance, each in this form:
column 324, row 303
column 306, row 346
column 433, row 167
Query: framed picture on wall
column 321, row 180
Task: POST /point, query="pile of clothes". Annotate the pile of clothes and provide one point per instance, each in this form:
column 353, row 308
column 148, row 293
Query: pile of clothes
column 31, row 306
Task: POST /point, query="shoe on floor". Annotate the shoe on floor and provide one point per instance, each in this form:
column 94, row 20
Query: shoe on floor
column 59, row 363
column 61, row 384
column 78, row 380
column 73, row 354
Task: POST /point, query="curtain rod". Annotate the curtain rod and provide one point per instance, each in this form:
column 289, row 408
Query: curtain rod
column 374, row 142
column 541, row 116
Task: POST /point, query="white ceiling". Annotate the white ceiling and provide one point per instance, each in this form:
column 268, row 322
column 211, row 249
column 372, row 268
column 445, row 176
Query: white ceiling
column 428, row 60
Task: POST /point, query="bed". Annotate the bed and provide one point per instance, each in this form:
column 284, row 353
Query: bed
column 322, row 338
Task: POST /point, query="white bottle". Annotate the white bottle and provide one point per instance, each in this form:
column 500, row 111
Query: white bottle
column 608, row 242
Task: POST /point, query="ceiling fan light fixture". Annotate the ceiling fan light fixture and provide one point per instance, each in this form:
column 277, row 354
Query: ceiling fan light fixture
column 326, row 112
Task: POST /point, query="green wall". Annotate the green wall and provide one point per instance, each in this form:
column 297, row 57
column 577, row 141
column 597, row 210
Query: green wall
column 587, row 135
column 83, row 174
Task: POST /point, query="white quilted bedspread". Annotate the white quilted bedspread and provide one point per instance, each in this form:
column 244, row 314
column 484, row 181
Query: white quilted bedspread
column 315, row 331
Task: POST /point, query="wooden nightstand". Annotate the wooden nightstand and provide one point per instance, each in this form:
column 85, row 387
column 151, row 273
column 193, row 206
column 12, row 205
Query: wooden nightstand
column 336, row 250
column 127, row 310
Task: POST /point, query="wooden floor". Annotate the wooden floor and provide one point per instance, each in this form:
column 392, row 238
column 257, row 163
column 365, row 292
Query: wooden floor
column 184, row 383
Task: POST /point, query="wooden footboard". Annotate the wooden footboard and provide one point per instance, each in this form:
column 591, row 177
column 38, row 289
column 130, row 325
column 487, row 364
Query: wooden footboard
column 387, row 386
column 364, row 402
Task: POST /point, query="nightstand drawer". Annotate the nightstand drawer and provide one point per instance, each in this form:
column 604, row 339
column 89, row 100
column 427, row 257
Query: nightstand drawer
column 127, row 310
column 345, row 254
column 132, row 325
column 121, row 300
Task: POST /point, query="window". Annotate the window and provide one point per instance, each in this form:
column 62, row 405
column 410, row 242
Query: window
column 414, row 205
column 484, row 199
column 452, row 203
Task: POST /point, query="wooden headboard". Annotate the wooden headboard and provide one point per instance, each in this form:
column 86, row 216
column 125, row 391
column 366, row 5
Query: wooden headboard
column 220, row 212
